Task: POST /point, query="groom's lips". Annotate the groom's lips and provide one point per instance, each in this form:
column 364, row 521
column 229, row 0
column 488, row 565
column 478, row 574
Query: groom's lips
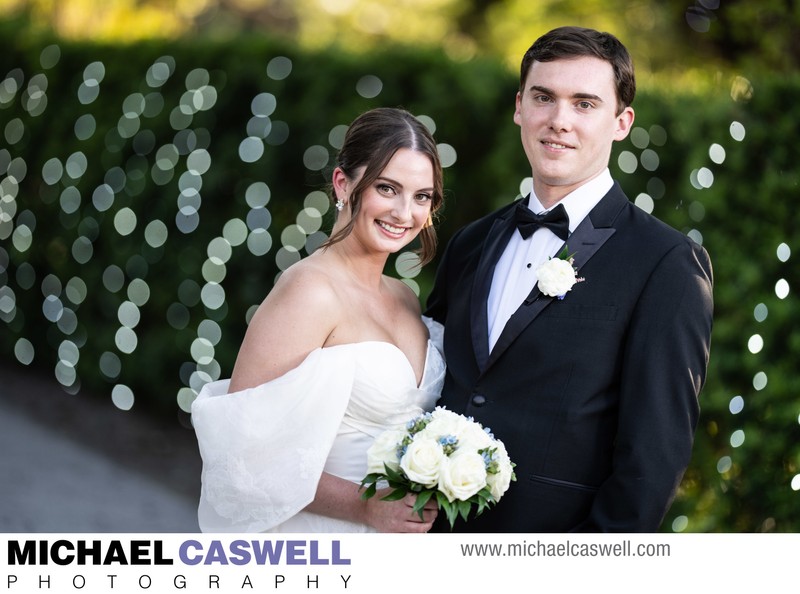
column 556, row 145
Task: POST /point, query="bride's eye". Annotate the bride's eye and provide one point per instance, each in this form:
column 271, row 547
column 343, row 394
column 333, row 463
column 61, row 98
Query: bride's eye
column 385, row 189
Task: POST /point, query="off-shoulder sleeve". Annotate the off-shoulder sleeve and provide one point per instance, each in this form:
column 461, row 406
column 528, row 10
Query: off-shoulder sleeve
column 436, row 332
column 264, row 449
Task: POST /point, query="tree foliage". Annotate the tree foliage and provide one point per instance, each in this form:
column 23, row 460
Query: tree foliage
column 676, row 39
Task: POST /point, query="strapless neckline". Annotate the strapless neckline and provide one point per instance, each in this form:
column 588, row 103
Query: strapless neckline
column 264, row 449
column 393, row 347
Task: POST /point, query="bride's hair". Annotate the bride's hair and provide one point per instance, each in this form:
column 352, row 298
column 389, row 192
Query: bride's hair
column 371, row 141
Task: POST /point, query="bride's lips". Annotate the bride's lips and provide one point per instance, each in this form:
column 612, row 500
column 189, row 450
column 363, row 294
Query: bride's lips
column 391, row 230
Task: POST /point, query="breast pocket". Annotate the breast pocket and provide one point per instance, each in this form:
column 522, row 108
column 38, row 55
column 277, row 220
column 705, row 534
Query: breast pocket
column 596, row 313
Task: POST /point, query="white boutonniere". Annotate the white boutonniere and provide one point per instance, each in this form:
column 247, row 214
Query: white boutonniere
column 558, row 275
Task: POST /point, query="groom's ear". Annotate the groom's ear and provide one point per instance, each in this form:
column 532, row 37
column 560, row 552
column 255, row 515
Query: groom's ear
column 624, row 123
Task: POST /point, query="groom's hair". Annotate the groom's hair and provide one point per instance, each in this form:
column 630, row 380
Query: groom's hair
column 566, row 43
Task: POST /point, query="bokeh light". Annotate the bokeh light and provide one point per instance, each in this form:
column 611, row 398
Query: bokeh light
column 755, row 343
column 782, row 288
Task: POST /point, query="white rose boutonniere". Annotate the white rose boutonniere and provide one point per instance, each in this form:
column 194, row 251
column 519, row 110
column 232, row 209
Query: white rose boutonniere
column 557, row 276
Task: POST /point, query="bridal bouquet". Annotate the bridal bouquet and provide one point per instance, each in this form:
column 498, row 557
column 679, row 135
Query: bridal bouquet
column 442, row 456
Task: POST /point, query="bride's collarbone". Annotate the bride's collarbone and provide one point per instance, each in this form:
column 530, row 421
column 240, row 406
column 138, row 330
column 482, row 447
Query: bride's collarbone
column 402, row 329
column 384, row 315
column 381, row 309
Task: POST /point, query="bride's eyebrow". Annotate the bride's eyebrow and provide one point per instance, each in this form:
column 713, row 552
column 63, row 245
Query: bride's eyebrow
column 398, row 184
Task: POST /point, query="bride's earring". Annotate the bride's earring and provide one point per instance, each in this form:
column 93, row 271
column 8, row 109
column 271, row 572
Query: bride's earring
column 339, row 204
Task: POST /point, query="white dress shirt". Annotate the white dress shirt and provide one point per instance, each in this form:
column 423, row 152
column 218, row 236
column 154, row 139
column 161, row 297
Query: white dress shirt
column 515, row 273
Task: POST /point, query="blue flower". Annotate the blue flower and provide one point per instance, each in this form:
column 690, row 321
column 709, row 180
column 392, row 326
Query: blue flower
column 449, row 443
column 419, row 423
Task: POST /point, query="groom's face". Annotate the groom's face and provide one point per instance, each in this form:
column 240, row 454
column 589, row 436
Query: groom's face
column 567, row 116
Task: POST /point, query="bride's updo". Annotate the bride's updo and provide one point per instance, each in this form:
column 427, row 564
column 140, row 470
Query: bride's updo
column 370, row 142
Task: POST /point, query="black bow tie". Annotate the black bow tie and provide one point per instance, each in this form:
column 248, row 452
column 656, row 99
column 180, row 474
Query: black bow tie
column 556, row 220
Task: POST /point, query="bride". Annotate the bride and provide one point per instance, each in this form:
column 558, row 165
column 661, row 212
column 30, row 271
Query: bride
column 335, row 354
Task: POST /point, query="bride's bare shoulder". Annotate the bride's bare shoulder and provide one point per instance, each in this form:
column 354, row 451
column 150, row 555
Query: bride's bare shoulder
column 296, row 317
column 309, row 281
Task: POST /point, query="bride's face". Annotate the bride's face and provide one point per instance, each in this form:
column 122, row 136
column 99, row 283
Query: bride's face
column 396, row 206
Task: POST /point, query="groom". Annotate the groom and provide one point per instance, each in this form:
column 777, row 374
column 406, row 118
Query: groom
column 594, row 392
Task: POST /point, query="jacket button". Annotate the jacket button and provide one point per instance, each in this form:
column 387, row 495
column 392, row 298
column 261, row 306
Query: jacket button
column 478, row 400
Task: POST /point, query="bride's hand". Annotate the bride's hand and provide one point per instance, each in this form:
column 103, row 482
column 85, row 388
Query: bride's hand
column 399, row 516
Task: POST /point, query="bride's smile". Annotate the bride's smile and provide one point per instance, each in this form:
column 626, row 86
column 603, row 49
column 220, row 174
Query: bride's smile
column 391, row 229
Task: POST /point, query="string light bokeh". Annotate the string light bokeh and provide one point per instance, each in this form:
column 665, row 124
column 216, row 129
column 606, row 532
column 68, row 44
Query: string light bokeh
column 96, row 217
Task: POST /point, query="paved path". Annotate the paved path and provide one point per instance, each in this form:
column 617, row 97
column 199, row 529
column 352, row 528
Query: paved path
column 71, row 463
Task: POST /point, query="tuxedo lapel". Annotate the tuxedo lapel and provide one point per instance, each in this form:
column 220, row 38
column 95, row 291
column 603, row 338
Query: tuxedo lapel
column 588, row 237
column 496, row 241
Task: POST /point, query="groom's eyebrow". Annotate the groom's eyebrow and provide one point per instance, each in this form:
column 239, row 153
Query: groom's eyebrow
column 552, row 93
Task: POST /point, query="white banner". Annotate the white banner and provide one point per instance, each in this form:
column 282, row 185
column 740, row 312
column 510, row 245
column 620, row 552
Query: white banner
column 162, row 563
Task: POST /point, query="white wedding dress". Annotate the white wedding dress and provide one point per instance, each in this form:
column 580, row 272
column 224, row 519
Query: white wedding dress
column 264, row 448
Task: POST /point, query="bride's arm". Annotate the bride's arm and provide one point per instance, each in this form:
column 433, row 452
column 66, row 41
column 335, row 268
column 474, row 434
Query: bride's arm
column 296, row 317
column 339, row 498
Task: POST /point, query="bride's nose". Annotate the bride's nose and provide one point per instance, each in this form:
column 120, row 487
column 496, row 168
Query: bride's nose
column 401, row 209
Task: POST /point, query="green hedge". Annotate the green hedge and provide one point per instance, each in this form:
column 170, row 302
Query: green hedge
column 66, row 214
column 79, row 280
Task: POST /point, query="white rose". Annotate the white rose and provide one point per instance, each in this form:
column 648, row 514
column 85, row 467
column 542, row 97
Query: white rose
column 463, row 475
column 443, row 423
column 474, row 437
column 556, row 277
column 499, row 482
column 422, row 460
column 384, row 450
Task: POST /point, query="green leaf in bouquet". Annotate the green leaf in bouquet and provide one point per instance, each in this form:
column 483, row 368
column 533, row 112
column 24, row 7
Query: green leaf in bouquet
column 484, row 500
column 422, row 499
column 450, row 508
column 394, row 475
column 395, row 495
column 463, row 508
column 370, row 491
column 372, row 477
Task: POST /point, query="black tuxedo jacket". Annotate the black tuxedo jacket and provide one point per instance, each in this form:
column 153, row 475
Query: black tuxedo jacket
column 595, row 395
